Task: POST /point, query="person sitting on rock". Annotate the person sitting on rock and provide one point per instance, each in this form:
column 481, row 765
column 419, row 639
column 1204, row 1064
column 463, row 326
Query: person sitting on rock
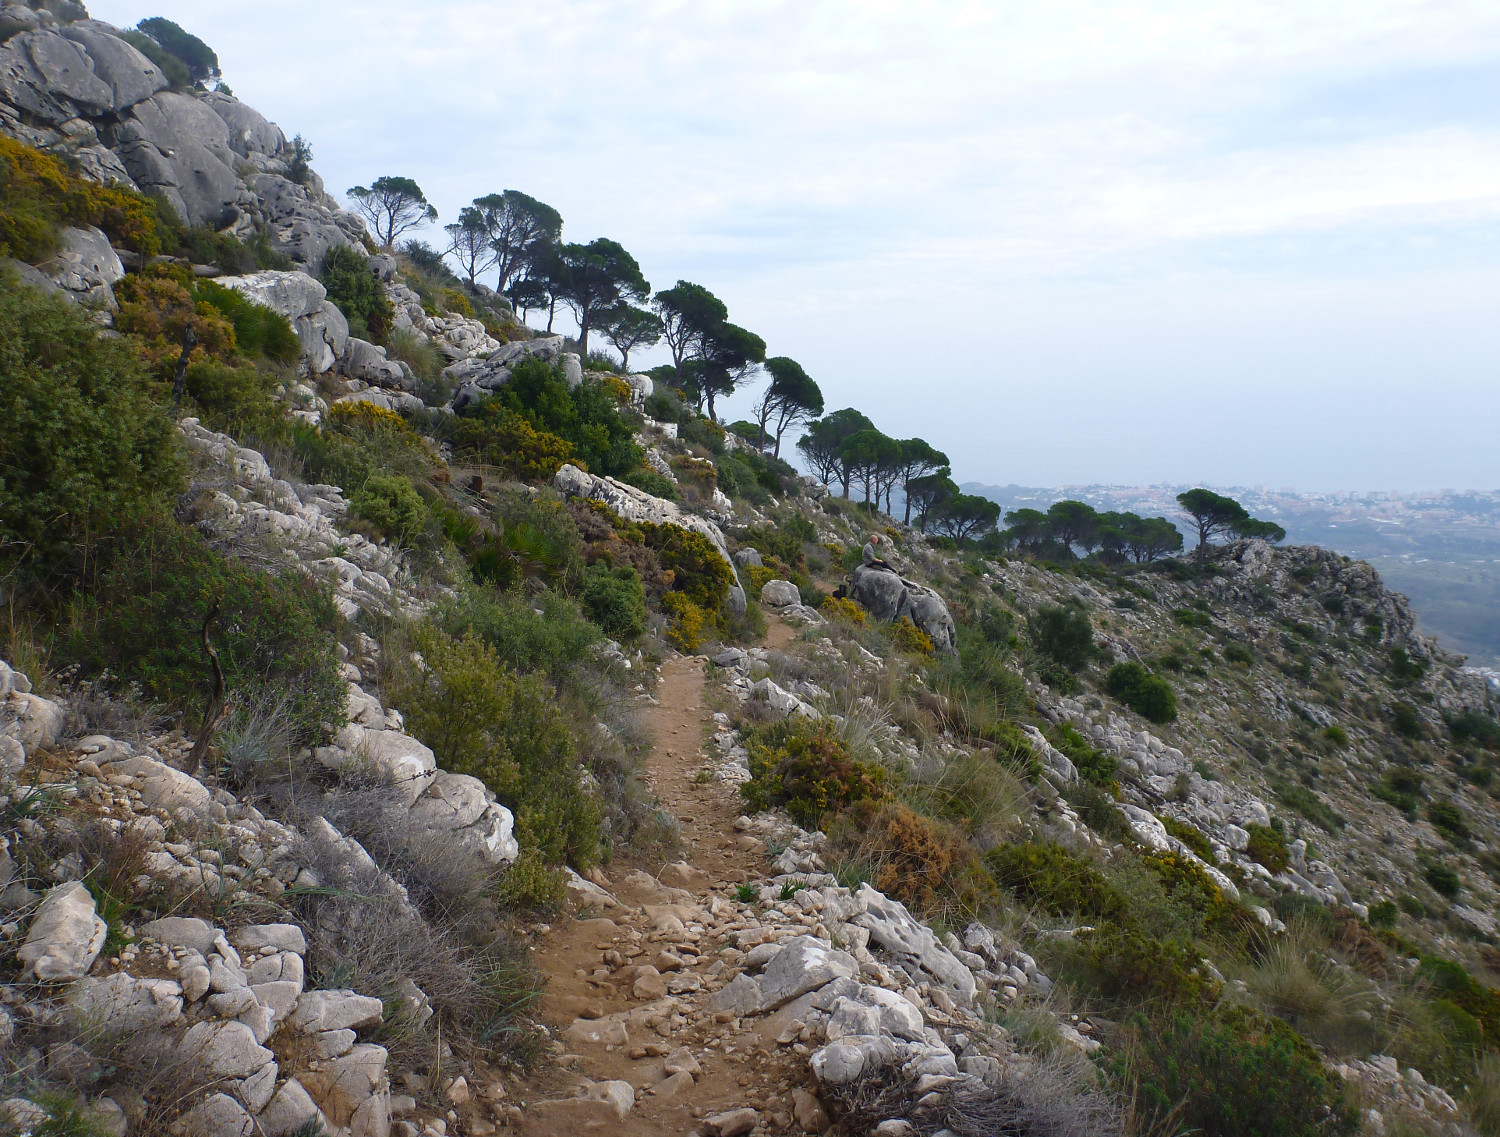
column 871, row 555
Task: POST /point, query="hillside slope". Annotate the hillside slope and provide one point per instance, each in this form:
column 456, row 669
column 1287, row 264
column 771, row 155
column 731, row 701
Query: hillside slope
column 356, row 687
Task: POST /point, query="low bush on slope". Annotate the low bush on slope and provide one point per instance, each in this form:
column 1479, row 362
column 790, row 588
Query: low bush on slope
column 84, row 447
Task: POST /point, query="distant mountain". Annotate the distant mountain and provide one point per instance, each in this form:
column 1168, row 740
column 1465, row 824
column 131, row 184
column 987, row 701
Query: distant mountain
column 1440, row 549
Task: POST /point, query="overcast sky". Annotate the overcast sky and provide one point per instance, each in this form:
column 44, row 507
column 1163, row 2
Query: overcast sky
column 1226, row 241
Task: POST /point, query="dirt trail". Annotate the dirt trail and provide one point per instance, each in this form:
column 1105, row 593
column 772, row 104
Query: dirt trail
column 594, row 963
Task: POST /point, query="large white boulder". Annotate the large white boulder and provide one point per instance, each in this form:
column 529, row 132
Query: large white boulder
column 461, row 808
column 86, row 267
column 121, row 1003
column 403, row 763
column 780, row 594
column 162, row 787
column 224, row 1050
column 66, row 935
column 130, row 76
column 893, row 928
column 889, row 597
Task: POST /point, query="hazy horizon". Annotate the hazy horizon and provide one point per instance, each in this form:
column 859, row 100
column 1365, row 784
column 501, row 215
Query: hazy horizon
column 1080, row 243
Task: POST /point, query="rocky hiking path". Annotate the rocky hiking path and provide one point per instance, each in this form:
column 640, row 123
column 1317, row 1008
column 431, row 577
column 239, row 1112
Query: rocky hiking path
column 628, row 978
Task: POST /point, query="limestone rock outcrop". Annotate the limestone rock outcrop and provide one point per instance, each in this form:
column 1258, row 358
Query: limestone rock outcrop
column 80, row 90
column 888, row 596
column 637, row 505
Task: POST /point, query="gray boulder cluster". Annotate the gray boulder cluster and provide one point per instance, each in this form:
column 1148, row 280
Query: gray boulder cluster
column 890, row 597
column 82, row 91
column 235, row 498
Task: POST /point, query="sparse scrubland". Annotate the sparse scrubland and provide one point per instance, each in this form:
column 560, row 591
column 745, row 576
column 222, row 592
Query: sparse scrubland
column 335, row 603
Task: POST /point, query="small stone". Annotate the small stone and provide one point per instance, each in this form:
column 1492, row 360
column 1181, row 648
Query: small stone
column 649, row 984
column 600, row 1032
column 458, row 1091
column 671, row 1086
column 733, row 1123
column 619, row 1094
column 681, row 1060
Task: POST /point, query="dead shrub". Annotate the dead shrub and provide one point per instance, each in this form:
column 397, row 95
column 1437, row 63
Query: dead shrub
column 364, row 934
column 1038, row 1099
column 924, row 863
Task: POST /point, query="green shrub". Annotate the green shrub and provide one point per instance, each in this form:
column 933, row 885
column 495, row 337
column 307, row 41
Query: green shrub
column 142, row 616
column 907, row 637
column 1150, row 696
column 200, row 60
column 1187, row 884
column 499, row 437
column 1064, row 634
column 739, row 480
column 1400, row 786
column 231, row 394
column 356, row 293
column 1128, row 966
column 1383, row 914
column 1097, row 810
column 357, row 441
column 236, row 257
column 83, row 448
column 1239, row 653
column 1448, row 820
column 1462, row 990
column 554, row 640
column 615, row 599
column 807, row 770
column 1337, row 735
column 1092, row 763
column 173, row 68
column 1237, row 1073
column 1055, row 880
column 482, row 719
column 1444, row 881
column 587, row 417
column 1301, row 799
column 392, row 506
column 1267, row 847
column 1474, row 727
column 1405, row 721
column 698, row 570
column 39, row 195
column 997, row 626
column 1192, row 618
column 532, row 883
column 705, row 433
column 1404, row 669
column 424, row 359
column 982, row 668
column 655, row 484
column 520, row 551
column 1191, row 836
column 1411, row 906
column 663, row 405
column 783, row 541
column 257, row 329
column 923, row 862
